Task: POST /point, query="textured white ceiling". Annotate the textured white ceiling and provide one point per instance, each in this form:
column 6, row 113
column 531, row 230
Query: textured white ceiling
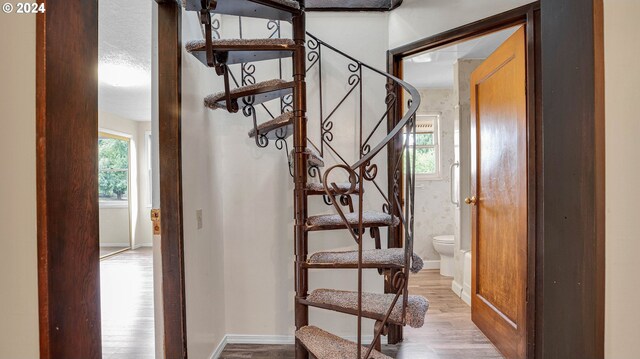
column 438, row 73
column 124, row 33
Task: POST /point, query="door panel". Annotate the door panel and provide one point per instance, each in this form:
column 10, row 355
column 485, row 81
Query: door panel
column 499, row 184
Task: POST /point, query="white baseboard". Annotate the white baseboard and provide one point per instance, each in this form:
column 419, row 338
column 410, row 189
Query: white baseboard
column 456, row 288
column 270, row 340
column 466, row 294
column 216, row 353
column 145, row 245
column 123, row 245
column 259, row 339
column 431, row 265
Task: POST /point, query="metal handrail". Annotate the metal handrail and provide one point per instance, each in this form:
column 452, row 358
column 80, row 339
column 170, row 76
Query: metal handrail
column 413, row 107
column 364, row 170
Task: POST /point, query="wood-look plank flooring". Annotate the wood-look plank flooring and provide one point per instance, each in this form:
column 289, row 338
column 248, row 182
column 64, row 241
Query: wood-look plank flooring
column 126, row 289
column 105, row 251
column 448, row 332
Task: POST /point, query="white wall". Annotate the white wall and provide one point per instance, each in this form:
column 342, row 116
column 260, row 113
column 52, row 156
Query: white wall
column 462, row 70
column 111, row 221
column 114, row 227
column 258, row 204
column 202, row 156
column 622, row 48
column 18, row 258
column 434, row 210
column 417, row 19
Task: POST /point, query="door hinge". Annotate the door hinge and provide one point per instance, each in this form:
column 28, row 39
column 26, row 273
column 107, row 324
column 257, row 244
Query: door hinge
column 155, row 219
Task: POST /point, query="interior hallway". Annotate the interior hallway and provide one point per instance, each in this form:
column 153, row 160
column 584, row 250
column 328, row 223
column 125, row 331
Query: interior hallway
column 126, row 289
column 448, row 332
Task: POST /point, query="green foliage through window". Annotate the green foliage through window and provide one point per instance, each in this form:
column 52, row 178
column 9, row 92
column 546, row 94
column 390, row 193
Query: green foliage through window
column 426, row 153
column 113, row 169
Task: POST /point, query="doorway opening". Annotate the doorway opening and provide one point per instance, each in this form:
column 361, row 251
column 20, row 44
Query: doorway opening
column 444, row 170
column 114, row 181
column 125, row 185
column 514, row 319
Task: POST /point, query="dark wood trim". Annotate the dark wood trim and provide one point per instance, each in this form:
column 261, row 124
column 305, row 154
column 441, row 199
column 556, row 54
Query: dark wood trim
column 67, row 178
column 534, row 138
column 528, row 15
column 170, row 137
column 352, row 5
column 571, row 321
column 68, row 230
column 466, row 32
column 395, row 234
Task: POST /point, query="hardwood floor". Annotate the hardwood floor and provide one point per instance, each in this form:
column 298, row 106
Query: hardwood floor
column 448, row 332
column 128, row 328
column 105, row 251
column 126, row 287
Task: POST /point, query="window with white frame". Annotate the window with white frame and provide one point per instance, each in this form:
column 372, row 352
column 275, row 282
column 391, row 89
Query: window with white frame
column 113, row 170
column 427, row 141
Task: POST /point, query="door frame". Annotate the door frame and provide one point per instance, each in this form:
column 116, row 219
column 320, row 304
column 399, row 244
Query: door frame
column 552, row 27
column 67, row 179
column 529, row 16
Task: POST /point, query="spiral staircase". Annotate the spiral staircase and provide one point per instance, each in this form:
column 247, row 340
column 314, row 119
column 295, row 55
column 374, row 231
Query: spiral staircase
column 396, row 307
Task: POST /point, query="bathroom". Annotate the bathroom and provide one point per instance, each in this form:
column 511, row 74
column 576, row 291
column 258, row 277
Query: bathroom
column 443, row 160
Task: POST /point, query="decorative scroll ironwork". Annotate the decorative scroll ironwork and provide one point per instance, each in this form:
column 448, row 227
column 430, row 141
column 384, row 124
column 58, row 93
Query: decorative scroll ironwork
column 313, row 53
column 398, row 197
column 274, row 25
column 286, row 103
column 214, row 26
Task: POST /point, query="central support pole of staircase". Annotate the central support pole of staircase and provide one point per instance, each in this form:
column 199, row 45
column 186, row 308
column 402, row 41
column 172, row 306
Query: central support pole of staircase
column 300, row 175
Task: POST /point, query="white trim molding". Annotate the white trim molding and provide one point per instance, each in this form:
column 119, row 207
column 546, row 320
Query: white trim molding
column 464, row 292
column 218, row 351
column 270, row 340
column 434, row 264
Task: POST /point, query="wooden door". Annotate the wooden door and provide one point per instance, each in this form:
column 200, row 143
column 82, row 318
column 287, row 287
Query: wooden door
column 499, row 190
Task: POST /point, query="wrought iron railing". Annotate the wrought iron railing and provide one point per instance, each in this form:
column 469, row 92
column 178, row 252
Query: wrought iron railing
column 397, row 197
column 364, row 171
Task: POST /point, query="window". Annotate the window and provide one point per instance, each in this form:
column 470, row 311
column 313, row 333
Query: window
column 427, row 141
column 113, row 170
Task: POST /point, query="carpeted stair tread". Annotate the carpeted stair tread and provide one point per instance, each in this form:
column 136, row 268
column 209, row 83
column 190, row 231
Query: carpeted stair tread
column 388, row 256
column 214, row 101
column 374, row 305
column 290, row 3
column 318, row 188
column 283, row 120
column 313, row 157
column 246, row 44
column 324, row 345
column 369, row 218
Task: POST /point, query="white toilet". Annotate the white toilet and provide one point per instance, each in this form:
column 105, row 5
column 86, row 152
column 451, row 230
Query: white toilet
column 444, row 245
